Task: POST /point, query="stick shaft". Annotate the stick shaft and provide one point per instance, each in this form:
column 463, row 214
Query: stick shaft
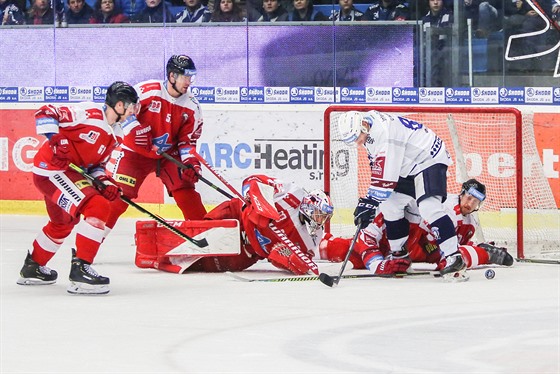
column 96, row 182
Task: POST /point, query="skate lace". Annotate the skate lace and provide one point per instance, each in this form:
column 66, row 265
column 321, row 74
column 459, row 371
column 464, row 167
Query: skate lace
column 45, row 270
column 91, row 271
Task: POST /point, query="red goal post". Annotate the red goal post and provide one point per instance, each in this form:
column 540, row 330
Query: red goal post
column 494, row 145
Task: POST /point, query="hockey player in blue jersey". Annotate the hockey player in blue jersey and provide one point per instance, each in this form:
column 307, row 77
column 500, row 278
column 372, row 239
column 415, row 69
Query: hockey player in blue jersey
column 407, row 159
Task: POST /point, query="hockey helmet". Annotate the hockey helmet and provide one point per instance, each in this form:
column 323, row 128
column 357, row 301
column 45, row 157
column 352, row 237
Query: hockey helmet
column 181, row 64
column 121, row 91
column 474, row 188
column 317, row 208
column 350, row 126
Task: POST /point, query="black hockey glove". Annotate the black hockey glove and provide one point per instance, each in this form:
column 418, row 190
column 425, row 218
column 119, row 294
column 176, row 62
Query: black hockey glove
column 365, row 212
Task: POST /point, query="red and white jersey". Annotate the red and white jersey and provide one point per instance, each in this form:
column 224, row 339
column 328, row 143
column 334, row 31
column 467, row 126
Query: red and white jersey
column 85, row 126
column 287, row 198
column 399, row 147
column 464, row 225
column 174, row 123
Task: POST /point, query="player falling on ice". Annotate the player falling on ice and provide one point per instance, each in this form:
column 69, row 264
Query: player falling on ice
column 83, row 134
column 407, row 159
column 299, row 215
column 372, row 248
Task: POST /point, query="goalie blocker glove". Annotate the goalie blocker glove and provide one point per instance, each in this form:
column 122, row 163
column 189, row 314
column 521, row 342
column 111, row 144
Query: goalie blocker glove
column 365, row 211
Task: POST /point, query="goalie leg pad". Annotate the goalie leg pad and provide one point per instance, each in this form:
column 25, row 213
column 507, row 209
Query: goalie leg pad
column 154, row 242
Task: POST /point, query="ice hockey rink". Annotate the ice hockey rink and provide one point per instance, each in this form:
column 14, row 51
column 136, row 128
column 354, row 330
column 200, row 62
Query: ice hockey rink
column 155, row 322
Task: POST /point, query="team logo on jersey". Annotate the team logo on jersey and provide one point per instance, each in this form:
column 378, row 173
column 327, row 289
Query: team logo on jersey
column 91, row 137
column 185, row 117
column 263, row 240
column 377, row 167
column 161, row 143
column 64, row 115
column 155, row 106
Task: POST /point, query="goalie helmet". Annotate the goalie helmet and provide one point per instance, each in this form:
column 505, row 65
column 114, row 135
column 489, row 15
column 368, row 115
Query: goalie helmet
column 317, row 208
column 474, row 188
column 181, row 64
column 350, row 126
column 121, row 91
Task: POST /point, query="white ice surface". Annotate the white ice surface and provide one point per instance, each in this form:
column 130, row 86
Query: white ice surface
column 156, row 322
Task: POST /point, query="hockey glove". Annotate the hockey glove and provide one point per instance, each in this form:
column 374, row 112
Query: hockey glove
column 60, row 147
column 193, row 170
column 388, row 267
column 365, row 212
column 108, row 187
column 283, row 258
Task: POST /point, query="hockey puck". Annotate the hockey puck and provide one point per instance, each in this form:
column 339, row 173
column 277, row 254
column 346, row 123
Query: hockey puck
column 490, row 274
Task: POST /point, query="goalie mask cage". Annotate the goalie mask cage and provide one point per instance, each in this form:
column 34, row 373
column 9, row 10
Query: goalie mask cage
column 494, row 145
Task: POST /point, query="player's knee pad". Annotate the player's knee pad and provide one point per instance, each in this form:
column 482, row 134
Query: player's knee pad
column 431, row 208
column 95, row 210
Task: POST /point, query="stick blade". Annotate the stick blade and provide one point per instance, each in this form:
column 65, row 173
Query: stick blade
column 328, row 280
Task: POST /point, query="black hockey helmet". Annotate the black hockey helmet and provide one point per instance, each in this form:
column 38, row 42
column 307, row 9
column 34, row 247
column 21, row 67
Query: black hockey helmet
column 121, row 91
column 181, row 64
column 474, row 188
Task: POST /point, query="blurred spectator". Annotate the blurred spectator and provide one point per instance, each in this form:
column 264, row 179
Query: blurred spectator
column 106, row 11
column 131, row 8
column 438, row 17
column 304, row 11
column 194, row 12
column 272, row 11
column 227, row 11
column 471, row 11
column 11, row 13
column 490, row 16
column 346, row 12
column 521, row 19
column 156, row 11
column 40, row 13
column 387, row 10
column 78, row 12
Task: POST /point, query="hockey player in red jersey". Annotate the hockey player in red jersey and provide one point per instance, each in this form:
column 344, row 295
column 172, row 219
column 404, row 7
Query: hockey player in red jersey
column 85, row 135
column 170, row 120
column 299, row 215
column 372, row 248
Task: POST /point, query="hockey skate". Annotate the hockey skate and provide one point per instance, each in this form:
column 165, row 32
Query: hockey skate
column 455, row 269
column 497, row 255
column 84, row 280
column 33, row 274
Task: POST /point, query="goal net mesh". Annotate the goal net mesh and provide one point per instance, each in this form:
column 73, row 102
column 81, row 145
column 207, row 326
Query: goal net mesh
column 485, row 143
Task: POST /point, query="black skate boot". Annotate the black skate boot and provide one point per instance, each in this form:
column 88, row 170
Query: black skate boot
column 33, row 274
column 399, row 255
column 84, row 280
column 455, row 269
column 497, row 255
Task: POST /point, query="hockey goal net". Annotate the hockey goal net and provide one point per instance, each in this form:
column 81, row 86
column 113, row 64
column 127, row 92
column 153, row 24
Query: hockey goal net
column 494, row 145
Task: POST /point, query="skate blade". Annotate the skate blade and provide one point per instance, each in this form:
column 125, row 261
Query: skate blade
column 456, row 277
column 78, row 288
column 34, row 282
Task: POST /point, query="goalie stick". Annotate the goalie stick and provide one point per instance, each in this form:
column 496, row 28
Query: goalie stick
column 100, row 185
column 314, row 277
column 283, row 238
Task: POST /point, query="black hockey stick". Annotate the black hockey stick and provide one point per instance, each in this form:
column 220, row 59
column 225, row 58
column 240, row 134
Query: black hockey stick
column 333, row 281
column 183, row 166
column 101, row 186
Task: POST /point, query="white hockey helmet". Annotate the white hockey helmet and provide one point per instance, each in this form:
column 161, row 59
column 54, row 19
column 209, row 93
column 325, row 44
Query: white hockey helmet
column 350, row 126
column 317, row 208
